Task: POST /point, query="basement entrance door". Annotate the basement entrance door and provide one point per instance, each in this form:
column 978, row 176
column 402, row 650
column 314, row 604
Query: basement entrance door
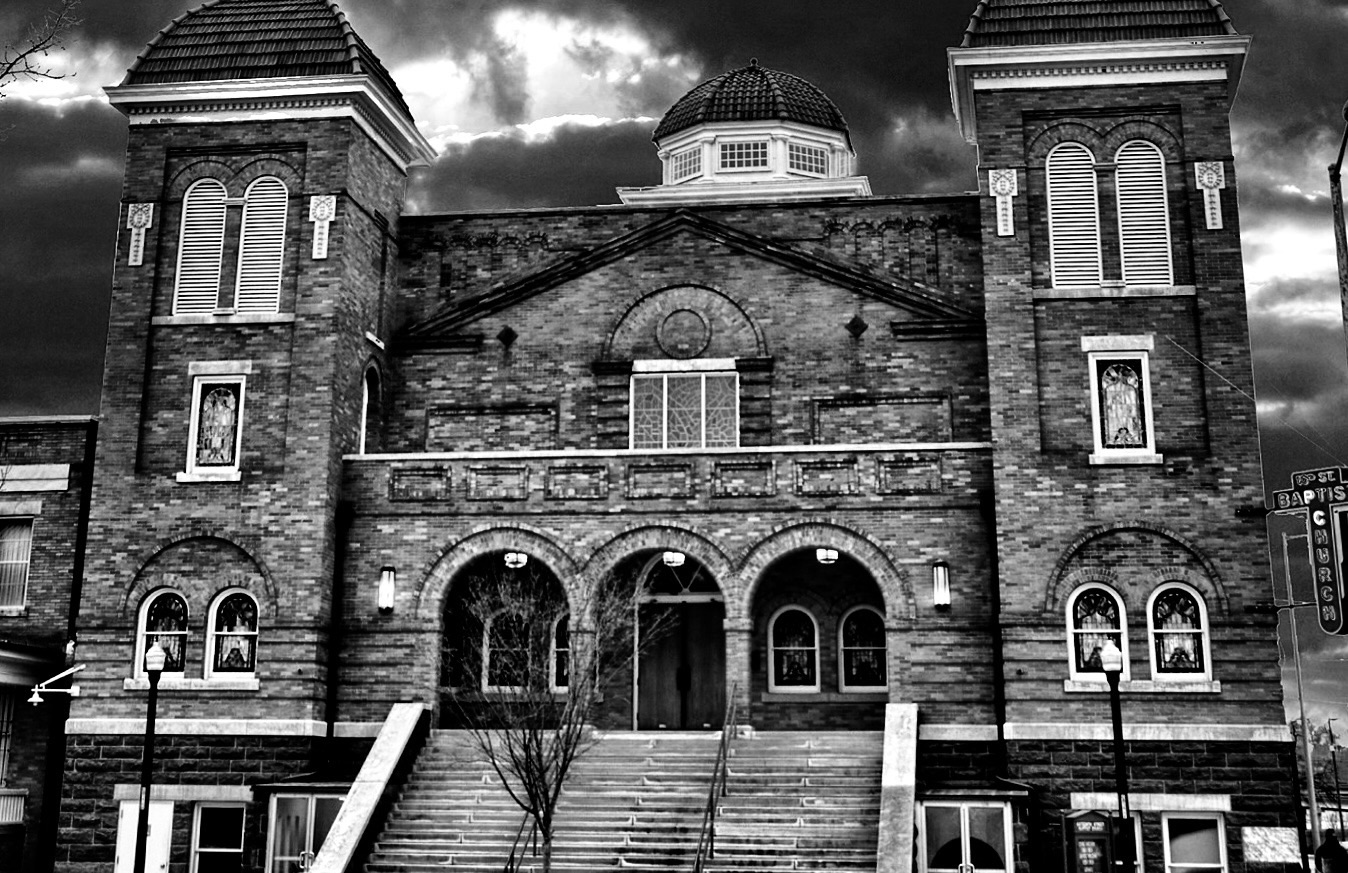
column 681, row 664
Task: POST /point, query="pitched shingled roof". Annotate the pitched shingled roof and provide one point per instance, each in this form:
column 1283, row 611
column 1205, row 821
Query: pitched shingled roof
column 752, row 93
column 1049, row 22
column 258, row 39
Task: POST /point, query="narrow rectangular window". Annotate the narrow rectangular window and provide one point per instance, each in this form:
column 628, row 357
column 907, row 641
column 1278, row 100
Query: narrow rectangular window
column 6, row 735
column 1121, row 406
column 16, row 545
column 217, row 838
column 216, row 435
column 744, row 155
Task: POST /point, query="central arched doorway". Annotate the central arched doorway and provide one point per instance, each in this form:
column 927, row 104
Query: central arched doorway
column 679, row 645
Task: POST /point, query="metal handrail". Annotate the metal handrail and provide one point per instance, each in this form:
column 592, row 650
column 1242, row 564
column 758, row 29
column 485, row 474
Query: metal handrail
column 706, row 841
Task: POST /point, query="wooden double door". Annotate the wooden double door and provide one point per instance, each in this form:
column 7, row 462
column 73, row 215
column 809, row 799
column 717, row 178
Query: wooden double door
column 681, row 665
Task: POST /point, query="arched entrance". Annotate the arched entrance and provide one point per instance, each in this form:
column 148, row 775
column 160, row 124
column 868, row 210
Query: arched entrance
column 679, row 645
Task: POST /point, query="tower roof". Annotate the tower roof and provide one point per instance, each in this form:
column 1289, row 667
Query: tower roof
column 258, row 39
column 752, row 93
column 1056, row 22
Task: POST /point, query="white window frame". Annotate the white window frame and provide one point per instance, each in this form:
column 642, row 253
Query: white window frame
column 487, row 653
column 197, row 850
column 1167, row 817
column 1204, row 634
column 685, row 164
column 212, row 634
column 1137, row 347
column 773, row 687
column 1072, row 633
column 142, row 632
column 666, row 368
column 229, row 473
column 553, row 651
column 203, row 251
column 262, row 247
column 1138, row 212
column 842, row 649
column 27, row 562
column 810, row 151
column 743, row 147
column 964, row 806
column 1065, row 227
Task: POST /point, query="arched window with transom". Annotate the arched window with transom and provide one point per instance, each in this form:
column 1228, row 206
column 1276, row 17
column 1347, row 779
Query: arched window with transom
column 793, row 644
column 505, row 652
column 1094, row 616
column 163, row 620
column 1177, row 625
column 232, row 636
column 1073, row 217
column 861, row 650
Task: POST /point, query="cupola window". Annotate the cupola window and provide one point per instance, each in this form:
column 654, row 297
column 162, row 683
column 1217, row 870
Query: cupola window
column 744, row 155
column 807, row 159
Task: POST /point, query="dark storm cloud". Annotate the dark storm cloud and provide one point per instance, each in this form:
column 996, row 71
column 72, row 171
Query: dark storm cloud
column 61, row 173
column 576, row 164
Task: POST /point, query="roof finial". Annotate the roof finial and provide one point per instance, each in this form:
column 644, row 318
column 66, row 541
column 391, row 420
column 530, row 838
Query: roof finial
column 753, row 62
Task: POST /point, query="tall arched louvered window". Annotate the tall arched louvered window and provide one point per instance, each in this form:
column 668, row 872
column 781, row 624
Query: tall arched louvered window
column 200, row 248
column 261, row 246
column 1144, row 216
column 1073, row 216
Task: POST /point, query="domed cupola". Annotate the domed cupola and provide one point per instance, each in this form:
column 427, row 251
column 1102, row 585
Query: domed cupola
column 753, row 134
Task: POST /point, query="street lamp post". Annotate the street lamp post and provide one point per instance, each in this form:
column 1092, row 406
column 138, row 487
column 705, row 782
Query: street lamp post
column 1340, row 236
column 154, row 665
column 1334, row 762
column 1111, row 659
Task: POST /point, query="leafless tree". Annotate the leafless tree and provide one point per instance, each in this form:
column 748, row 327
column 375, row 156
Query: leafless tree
column 27, row 59
column 531, row 680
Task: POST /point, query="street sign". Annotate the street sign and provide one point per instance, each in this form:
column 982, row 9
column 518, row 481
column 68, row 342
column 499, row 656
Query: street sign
column 1323, row 496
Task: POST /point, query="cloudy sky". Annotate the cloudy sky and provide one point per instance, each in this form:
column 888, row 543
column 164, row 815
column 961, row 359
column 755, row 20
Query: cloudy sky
column 551, row 102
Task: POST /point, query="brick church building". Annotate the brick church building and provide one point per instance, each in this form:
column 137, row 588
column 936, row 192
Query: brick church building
column 898, row 470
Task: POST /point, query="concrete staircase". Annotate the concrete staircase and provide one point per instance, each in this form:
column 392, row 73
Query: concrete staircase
column 635, row 802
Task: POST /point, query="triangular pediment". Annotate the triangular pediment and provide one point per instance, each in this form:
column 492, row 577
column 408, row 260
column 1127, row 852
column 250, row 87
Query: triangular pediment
column 922, row 302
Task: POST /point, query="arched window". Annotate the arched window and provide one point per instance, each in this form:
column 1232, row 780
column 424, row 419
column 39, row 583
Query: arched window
column 1094, row 615
column 201, row 245
column 261, row 246
column 232, row 635
column 561, row 653
column 1144, row 215
column 793, row 650
column 505, row 652
column 163, row 620
column 370, row 396
column 1177, row 625
column 861, row 650
column 1073, row 216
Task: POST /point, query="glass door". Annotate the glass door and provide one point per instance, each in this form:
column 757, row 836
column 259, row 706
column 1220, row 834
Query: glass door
column 299, row 824
column 966, row 837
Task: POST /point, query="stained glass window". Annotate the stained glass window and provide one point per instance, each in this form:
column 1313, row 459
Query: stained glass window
column 166, row 624
column 863, row 649
column 795, row 651
column 219, row 407
column 1096, row 618
column 685, row 410
column 1177, row 632
column 507, row 655
column 234, row 638
column 1122, row 409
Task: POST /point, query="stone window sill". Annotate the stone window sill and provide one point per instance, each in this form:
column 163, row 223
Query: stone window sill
column 231, row 476
column 177, row 683
column 223, row 318
column 1144, row 686
column 13, row 610
column 1104, row 459
column 825, row 696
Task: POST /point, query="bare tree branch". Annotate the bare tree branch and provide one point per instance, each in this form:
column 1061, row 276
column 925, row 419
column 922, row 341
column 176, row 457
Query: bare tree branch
column 27, row 60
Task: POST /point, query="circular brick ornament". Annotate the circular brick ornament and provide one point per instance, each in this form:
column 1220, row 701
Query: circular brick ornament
column 684, row 333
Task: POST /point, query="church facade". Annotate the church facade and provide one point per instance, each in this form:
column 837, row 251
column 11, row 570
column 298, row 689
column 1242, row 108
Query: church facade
column 883, row 463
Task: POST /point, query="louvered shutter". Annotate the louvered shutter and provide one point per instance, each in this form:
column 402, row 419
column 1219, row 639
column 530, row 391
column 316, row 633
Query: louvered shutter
column 1144, row 218
column 1073, row 216
column 200, row 248
column 261, row 247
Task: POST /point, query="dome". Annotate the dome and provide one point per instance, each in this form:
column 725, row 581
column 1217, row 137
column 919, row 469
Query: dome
column 258, row 39
column 752, row 93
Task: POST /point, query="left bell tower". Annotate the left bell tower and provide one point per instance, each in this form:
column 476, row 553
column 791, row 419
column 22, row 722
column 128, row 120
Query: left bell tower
column 266, row 170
